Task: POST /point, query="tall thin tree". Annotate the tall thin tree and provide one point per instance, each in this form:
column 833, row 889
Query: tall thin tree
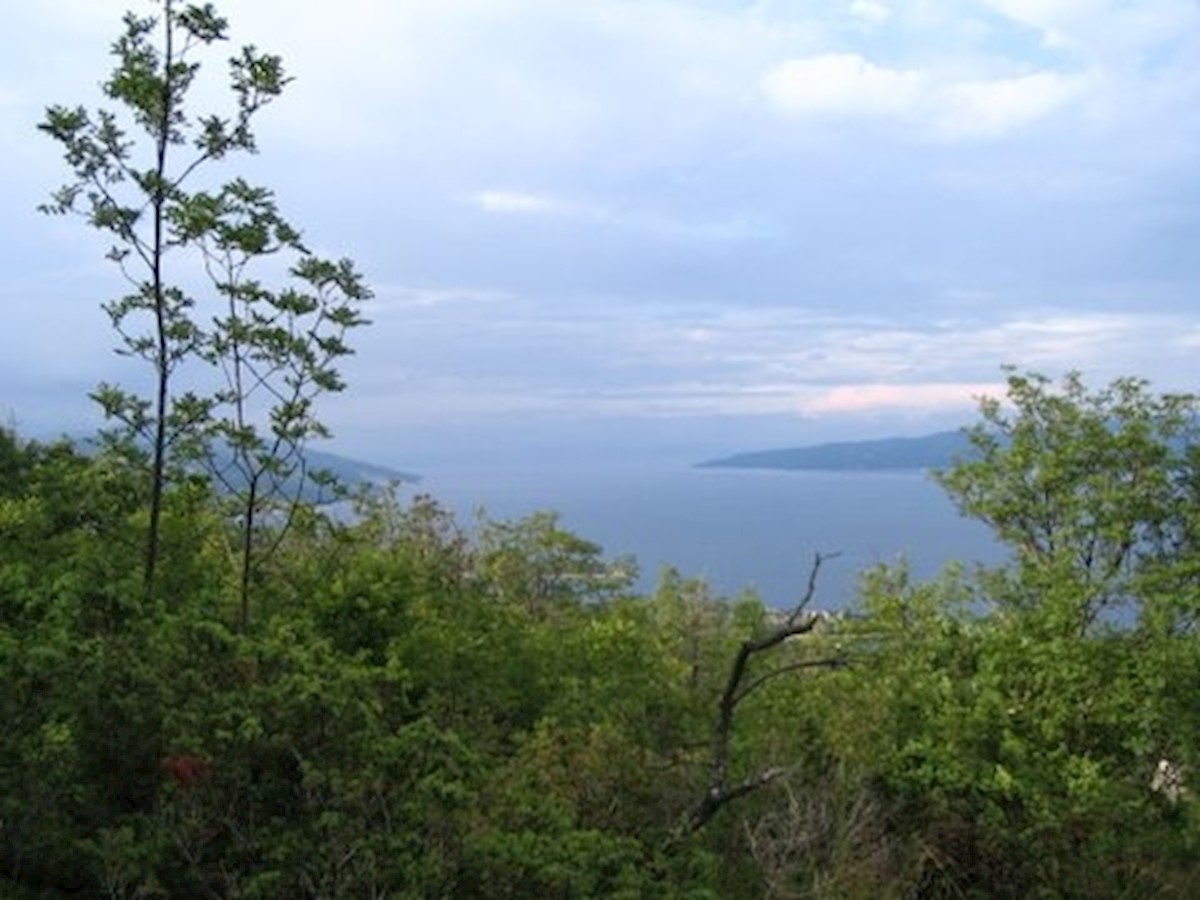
column 281, row 344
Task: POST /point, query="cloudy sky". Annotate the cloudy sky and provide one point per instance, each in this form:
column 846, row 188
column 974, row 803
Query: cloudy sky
column 673, row 227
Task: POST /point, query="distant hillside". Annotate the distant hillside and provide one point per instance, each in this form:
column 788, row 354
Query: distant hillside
column 928, row 452
column 353, row 473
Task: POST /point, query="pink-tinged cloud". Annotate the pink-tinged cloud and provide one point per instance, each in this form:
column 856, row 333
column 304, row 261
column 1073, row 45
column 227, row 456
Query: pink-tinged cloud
column 918, row 398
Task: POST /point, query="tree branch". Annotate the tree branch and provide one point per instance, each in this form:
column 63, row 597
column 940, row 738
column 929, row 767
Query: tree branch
column 720, row 792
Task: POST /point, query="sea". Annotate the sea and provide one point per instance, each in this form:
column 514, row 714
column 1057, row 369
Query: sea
column 738, row 529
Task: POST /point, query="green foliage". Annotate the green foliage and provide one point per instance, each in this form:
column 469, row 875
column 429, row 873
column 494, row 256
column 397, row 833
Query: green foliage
column 1008, row 755
column 536, row 559
column 1017, row 720
column 398, row 723
column 1093, row 491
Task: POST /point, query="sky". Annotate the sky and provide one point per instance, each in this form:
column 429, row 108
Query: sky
column 669, row 228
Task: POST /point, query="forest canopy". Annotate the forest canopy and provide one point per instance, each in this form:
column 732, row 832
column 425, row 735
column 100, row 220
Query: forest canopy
column 420, row 709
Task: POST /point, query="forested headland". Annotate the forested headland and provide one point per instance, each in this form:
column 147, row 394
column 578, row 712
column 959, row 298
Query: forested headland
column 214, row 688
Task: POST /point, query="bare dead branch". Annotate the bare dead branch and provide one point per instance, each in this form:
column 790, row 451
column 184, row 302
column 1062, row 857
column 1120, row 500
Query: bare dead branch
column 720, row 792
column 829, row 662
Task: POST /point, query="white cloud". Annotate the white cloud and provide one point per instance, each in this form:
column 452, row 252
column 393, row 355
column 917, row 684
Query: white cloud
column 1189, row 340
column 668, row 361
column 673, row 399
column 1054, row 19
column 408, row 297
column 517, row 202
column 870, row 12
column 850, row 85
column 841, row 83
column 922, row 397
column 845, row 364
column 732, row 228
column 997, row 107
column 1110, row 33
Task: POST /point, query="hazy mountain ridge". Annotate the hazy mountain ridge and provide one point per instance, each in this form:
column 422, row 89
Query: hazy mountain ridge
column 350, row 472
column 926, row 452
column 353, row 472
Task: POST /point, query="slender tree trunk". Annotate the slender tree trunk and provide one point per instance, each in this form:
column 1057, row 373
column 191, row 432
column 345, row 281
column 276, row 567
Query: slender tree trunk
column 248, row 550
column 163, row 367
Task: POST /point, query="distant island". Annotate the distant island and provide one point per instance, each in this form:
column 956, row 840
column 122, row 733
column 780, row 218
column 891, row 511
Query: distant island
column 928, row 452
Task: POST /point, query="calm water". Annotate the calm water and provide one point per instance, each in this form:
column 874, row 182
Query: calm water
column 737, row 529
